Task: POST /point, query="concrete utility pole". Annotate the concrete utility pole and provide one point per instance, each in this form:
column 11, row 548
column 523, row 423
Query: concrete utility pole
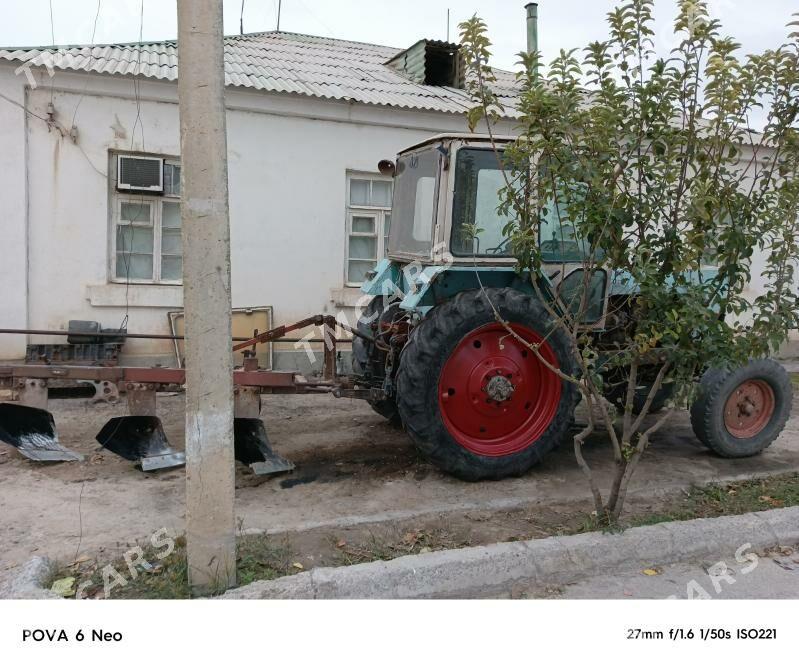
column 210, row 484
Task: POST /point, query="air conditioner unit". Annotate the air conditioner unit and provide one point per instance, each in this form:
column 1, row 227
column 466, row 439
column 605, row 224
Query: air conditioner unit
column 139, row 173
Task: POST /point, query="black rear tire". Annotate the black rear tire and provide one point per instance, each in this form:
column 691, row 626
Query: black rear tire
column 430, row 346
column 716, row 387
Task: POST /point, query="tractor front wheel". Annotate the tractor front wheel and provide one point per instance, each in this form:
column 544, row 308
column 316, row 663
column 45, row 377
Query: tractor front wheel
column 475, row 398
column 738, row 413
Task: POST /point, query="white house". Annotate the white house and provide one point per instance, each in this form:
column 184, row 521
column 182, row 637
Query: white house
column 308, row 120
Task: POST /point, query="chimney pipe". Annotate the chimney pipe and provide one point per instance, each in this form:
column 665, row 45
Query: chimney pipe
column 532, row 26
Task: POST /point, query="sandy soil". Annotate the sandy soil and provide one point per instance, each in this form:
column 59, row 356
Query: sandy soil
column 354, row 473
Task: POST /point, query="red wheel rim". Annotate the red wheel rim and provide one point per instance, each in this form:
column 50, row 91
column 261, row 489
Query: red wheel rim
column 749, row 408
column 495, row 396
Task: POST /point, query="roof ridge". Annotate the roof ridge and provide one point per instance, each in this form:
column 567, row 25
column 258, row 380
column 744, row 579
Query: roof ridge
column 59, row 47
column 174, row 42
column 273, row 61
column 318, row 37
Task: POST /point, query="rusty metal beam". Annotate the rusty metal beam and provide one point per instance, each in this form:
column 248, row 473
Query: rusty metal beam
column 162, row 376
column 141, row 336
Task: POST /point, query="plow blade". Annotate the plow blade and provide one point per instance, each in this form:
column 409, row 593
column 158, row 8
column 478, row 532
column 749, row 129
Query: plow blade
column 140, row 439
column 32, row 431
column 252, row 447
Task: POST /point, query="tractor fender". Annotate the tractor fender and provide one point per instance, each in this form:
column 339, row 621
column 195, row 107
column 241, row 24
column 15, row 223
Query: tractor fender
column 386, row 274
column 418, row 285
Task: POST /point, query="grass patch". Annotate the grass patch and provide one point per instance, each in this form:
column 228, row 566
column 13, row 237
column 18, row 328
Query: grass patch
column 267, row 557
column 795, row 379
column 715, row 500
column 156, row 578
column 395, row 544
column 706, row 502
column 264, row 557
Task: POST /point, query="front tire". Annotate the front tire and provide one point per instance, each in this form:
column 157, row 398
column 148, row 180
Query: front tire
column 478, row 403
column 738, row 413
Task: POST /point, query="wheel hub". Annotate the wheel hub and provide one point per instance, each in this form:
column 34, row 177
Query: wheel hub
column 749, row 409
column 499, row 388
column 495, row 396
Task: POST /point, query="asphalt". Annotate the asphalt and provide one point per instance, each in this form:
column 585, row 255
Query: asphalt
column 772, row 577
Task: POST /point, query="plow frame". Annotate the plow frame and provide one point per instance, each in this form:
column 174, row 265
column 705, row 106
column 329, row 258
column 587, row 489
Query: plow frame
column 30, row 383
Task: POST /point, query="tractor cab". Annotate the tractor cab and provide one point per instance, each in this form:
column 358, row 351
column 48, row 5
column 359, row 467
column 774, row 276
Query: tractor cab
column 446, row 230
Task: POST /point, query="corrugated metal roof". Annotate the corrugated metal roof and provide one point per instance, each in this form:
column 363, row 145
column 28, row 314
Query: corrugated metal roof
column 276, row 62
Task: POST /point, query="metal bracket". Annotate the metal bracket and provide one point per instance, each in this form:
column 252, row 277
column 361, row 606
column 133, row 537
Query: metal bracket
column 104, row 391
column 246, row 402
column 141, row 399
column 32, row 393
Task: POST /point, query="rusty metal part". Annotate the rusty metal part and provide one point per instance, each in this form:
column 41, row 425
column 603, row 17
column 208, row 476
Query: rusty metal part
column 140, row 436
column 103, row 391
column 162, row 378
column 370, row 394
column 141, row 399
column 499, row 388
column 318, row 320
column 139, row 336
column 31, row 392
column 749, row 408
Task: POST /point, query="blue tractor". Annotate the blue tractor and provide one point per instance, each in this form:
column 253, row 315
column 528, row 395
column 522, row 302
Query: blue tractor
column 474, row 399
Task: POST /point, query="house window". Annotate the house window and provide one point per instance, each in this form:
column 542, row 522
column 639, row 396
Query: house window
column 147, row 236
column 368, row 224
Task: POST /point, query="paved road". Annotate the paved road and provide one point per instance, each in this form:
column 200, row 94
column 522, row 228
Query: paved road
column 773, row 576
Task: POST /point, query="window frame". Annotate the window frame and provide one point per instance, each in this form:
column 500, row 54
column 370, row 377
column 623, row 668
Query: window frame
column 379, row 212
column 156, row 202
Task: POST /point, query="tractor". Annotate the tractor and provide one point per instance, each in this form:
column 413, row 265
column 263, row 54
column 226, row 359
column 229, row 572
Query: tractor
column 476, row 401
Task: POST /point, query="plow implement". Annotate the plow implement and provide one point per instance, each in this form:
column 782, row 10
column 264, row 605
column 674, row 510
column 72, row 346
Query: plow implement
column 32, row 432
column 29, row 427
column 139, row 437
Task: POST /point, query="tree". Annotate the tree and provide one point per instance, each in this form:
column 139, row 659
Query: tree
column 646, row 168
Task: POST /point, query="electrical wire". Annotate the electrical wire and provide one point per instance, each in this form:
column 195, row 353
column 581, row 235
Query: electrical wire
column 52, row 42
column 88, row 66
column 60, row 128
column 307, row 9
column 137, row 84
column 138, row 121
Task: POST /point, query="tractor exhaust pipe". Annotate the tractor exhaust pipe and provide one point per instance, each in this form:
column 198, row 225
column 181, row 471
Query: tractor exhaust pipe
column 532, row 27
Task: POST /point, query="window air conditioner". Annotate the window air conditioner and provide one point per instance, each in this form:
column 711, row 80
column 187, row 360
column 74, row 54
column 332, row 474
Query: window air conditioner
column 137, row 173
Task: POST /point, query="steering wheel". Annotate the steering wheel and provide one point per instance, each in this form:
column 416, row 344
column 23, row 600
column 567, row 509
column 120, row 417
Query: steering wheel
column 503, row 247
column 561, row 248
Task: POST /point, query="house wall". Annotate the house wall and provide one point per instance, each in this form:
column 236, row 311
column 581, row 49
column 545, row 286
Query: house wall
column 13, row 213
column 288, row 160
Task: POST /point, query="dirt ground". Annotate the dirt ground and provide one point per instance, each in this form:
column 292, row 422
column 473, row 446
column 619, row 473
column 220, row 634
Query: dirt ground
column 356, row 475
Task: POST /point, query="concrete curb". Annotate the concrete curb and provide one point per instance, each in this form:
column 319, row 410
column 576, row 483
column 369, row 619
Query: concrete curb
column 28, row 582
column 550, row 561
